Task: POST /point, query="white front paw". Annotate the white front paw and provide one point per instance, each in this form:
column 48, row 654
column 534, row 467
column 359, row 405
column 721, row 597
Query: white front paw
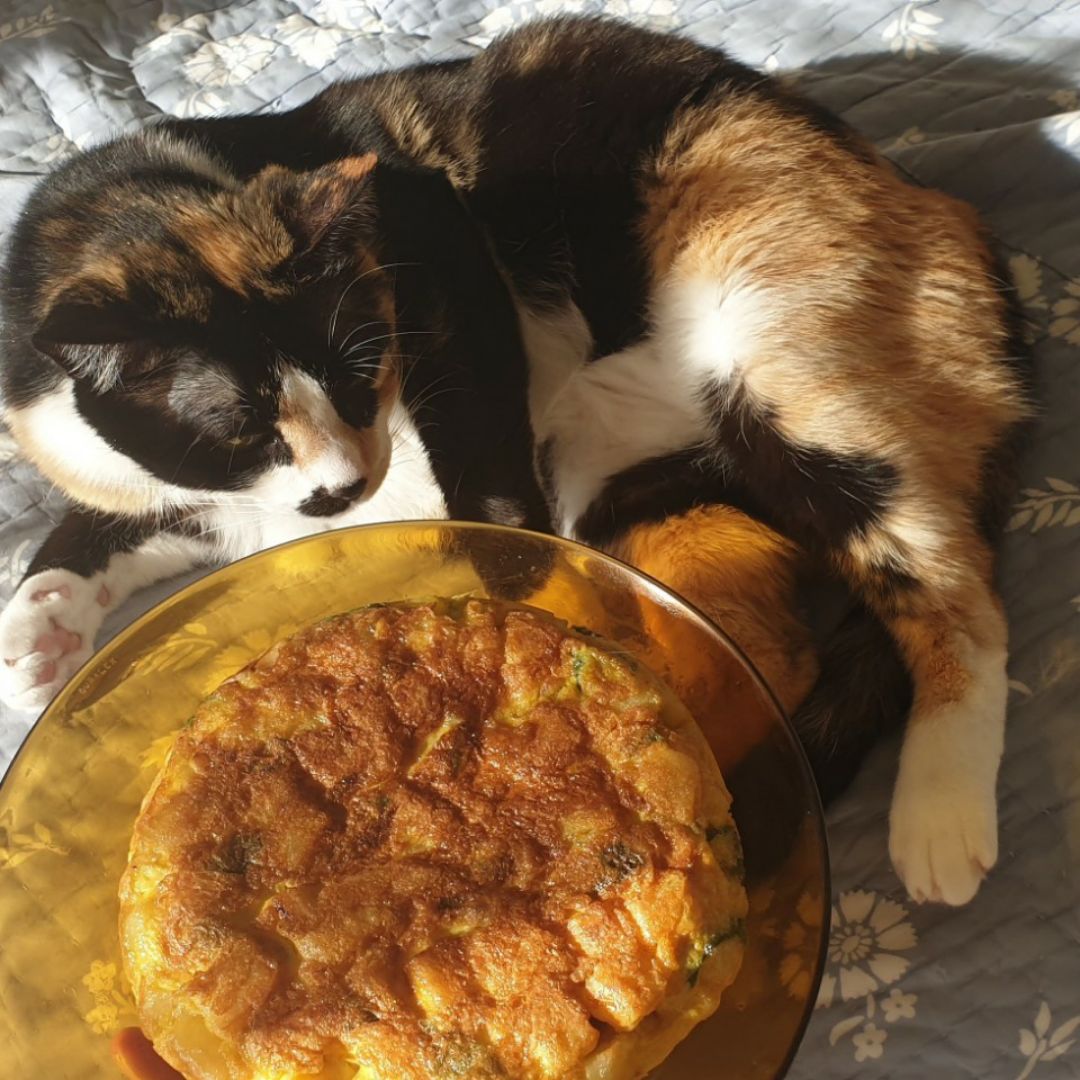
column 47, row 633
column 943, row 823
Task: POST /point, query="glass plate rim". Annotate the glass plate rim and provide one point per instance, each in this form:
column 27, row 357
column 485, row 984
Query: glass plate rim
column 680, row 603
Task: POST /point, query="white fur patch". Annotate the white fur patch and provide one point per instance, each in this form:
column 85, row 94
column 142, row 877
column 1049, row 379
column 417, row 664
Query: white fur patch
column 614, row 413
column 47, row 633
column 557, row 342
column 101, row 364
column 340, row 461
column 280, row 488
column 943, row 823
column 714, row 329
column 71, row 452
column 606, row 416
column 189, row 394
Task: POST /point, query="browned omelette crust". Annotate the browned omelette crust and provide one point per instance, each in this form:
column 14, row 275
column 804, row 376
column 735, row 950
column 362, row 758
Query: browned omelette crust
column 449, row 840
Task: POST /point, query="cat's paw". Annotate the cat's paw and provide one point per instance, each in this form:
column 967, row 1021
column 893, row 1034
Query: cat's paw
column 943, row 825
column 47, row 633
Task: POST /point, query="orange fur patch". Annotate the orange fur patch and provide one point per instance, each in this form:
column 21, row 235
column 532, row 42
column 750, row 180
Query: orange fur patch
column 930, row 646
column 239, row 240
column 864, row 281
column 416, row 114
column 356, row 168
column 741, row 575
column 303, row 438
column 94, row 279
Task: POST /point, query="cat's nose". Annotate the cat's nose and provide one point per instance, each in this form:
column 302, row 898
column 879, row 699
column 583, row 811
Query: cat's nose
column 324, row 503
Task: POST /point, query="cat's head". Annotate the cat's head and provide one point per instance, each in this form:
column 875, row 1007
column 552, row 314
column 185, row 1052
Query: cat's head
column 198, row 337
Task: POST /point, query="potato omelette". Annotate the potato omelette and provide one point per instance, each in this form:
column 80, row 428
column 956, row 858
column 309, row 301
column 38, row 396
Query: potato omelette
column 447, row 840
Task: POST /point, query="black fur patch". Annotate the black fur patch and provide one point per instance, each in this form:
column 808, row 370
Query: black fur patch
column 770, row 816
column 653, row 490
column 545, row 468
column 816, row 498
column 323, row 503
column 85, row 541
column 863, row 691
column 465, row 374
column 510, row 573
column 554, row 191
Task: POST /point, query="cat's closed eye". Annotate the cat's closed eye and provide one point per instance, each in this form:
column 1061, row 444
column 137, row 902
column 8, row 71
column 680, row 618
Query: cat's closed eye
column 243, row 441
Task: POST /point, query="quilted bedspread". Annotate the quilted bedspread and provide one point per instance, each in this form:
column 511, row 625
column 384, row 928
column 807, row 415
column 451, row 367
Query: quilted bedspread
column 978, row 97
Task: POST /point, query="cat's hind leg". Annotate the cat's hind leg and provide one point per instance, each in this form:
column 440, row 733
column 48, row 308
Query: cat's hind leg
column 87, row 566
column 930, row 584
column 873, row 458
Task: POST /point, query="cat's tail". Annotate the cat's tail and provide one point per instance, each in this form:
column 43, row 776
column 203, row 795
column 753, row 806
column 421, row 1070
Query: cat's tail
column 863, row 690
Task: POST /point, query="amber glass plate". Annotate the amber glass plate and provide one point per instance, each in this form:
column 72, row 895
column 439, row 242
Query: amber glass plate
column 69, row 800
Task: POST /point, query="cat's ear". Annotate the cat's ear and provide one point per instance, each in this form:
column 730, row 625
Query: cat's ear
column 87, row 338
column 313, row 204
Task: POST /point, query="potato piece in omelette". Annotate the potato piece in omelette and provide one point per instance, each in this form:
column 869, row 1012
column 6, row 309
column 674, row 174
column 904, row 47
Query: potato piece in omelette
column 416, row 842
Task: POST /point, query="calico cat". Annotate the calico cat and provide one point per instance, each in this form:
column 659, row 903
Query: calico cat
column 742, row 348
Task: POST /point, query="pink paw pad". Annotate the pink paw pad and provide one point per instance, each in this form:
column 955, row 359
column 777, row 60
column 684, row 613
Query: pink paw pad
column 48, row 594
column 46, row 674
column 104, row 596
column 57, row 642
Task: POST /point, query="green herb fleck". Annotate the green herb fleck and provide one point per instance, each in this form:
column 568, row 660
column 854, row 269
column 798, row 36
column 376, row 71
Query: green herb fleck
column 577, row 668
column 620, row 860
column 237, row 855
column 736, row 869
column 736, row 929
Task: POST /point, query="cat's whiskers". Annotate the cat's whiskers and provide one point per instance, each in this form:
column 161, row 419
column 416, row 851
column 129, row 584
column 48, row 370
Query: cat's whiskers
column 191, row 446
column 393, row 334
column 362, row 367
column 232, row 450
column 332, row 326
column 424, row 402
column 432, row 391
column 344, row 346
column 345, row 292
column 404, row 389
column 230, row 523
